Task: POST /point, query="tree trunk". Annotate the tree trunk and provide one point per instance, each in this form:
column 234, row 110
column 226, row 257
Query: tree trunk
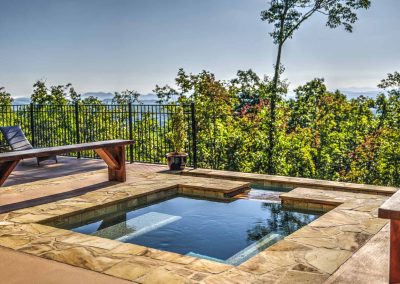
column 272, row 115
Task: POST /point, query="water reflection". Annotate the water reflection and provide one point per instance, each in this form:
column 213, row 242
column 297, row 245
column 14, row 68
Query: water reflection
column 279, row 221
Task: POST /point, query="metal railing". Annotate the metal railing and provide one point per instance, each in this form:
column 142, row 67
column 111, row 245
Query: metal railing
column 56, row 125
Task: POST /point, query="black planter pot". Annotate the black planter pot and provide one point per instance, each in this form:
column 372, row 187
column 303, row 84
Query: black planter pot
column 177, row 161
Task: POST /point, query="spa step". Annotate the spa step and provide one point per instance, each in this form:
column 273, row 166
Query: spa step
column 254, row 249
column 136, row 226
column 246, row 253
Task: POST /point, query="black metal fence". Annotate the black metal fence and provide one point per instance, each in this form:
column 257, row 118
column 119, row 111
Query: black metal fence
column 56, row 125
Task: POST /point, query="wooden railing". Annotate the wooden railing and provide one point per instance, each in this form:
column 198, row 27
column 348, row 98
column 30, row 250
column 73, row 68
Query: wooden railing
column 391, row 210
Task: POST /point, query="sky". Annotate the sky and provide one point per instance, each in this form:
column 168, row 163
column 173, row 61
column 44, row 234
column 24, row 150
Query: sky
column 113, row 45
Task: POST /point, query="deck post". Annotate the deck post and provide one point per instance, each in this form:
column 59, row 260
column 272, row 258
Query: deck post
column 394, row 270
column 390, row 209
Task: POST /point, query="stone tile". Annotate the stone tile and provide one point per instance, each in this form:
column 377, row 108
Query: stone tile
column 269, row 260
column 162, row 276
column 14, row 241
column 287, row 245
column 233, row 276
column 127, row 250
column 352, row 241
column 200, row 277
column 89, row 241
column 128, row 270
column 37, row 228
column 39, row 246
column 327, row 260
column 203, row 265
column 82, row 257
column 31, row 218
column 303, row 277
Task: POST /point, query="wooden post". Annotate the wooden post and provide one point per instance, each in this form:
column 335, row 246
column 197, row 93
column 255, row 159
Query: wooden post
column 390, row 209
column 115, row 159
column 394, row 270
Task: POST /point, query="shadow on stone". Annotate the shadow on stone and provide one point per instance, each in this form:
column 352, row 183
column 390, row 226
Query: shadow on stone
column 55, row 197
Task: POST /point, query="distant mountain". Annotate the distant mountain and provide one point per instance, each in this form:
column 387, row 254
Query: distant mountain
column 107, row 97
column 100, row 95
column 21, row 101
column 149, row 99
column 355, row 93
column 351, row 93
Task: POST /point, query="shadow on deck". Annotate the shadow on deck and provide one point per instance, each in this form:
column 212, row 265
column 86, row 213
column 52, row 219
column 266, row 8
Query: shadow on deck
column 28, row 172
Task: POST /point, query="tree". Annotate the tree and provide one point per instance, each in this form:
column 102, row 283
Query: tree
column 126, row 97
column 286, row 16
column 5, row 97
column 214, row 108
column 56, row 95
column 249, row 88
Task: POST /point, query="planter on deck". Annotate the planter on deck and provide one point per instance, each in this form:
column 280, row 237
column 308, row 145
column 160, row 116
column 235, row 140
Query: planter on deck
column 177, row 161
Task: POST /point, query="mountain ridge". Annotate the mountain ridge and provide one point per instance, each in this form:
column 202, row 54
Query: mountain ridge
column 150, row 98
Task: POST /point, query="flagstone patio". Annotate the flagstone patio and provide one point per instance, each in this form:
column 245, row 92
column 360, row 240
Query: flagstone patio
column 333, row 248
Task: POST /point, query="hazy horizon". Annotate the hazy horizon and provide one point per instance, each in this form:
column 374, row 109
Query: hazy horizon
column 111, row 46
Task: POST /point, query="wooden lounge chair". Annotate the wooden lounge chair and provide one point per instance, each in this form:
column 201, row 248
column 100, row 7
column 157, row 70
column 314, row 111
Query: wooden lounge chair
column 18, row 142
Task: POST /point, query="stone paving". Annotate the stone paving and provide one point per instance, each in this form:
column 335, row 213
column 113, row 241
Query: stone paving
column 310, row 255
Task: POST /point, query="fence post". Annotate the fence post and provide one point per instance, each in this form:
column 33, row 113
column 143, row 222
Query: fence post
column 130, row 132
column 77, row 128
column 33, row 140
column 194, row 135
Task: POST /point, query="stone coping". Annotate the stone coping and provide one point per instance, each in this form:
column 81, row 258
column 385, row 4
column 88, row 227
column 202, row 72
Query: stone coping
column 292, row 181
column 309, row 255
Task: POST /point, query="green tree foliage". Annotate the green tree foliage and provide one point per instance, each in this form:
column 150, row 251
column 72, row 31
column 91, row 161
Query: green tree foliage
column 6, row 114
column 61, row 94
column 54, row 122
column 377, row 159
column 320, row 134
column 179, row 130
column 126, row 97
column 286, row 16
column 214, row 109
column 5, row 97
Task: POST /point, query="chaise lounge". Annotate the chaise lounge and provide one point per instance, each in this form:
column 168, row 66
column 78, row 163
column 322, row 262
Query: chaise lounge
column 16, row 139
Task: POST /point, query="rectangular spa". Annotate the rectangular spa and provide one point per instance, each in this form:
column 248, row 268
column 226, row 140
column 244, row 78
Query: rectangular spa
column 229, row 230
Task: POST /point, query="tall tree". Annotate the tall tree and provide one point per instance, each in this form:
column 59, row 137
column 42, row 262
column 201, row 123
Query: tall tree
column 286, row 16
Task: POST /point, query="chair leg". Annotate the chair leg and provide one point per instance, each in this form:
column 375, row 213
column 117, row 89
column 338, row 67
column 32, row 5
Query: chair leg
column 115, row 159
column 40, row 159
column 5, row 170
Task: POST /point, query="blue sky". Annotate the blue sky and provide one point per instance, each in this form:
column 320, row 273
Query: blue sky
column 113, row 45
